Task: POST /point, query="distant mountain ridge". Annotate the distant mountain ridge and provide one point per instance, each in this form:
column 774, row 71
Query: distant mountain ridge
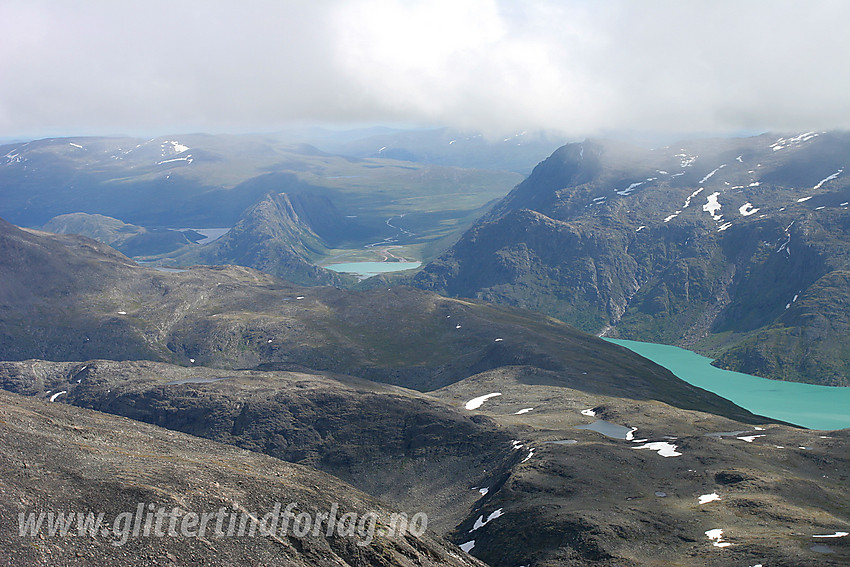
column 739, row 248
column 518, row 152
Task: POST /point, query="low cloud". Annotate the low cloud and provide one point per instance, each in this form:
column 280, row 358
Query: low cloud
column 580, row 67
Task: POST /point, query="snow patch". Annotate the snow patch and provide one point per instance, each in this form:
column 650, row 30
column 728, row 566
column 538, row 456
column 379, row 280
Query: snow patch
column 524, row 410
column 827, row 179
column 481, row 522
column 783, row 143
column 467, row 547
column 712, row 206
column 475, row 403
column 691, row 196
column 588, row 412
column 750, row 438
column 716, row 536
column 483, row 491
column 747, row 209
column 57, row 394
column 710, row 174
column 686, row 160
column 75, row 145
column 176, row 147
column 628, row 191
column 804, row 199
column 785, row 245
column 836, row 534
column 188, row 159
column 706, row 498
column 662, row 448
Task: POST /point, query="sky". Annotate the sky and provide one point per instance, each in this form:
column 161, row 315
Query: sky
column 578, row 67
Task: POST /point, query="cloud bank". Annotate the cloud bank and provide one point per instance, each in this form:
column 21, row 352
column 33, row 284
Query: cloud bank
column 580, row 67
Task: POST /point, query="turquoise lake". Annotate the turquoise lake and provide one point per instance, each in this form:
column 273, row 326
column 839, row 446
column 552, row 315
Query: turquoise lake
column 815, row 407
column 368, row 269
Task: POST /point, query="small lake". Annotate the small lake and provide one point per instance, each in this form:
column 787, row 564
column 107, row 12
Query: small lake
column 365, row 270
column 209, row 234
column 608, row 429
column 808, row 405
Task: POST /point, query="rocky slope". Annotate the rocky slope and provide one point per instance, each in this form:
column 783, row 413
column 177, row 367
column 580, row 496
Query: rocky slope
column 55, row 458
column 393, row 443
column 739, row 248
column 510, row 478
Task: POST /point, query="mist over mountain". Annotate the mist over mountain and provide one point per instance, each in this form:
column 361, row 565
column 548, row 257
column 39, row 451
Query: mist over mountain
column 734, row 247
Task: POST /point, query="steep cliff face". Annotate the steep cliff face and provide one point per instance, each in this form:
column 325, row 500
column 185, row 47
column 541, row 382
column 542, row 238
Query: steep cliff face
column 733, row 247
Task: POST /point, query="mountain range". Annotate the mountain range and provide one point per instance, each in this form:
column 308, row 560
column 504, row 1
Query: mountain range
column 735, row 248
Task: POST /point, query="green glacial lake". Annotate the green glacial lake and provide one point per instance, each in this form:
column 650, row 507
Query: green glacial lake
column 815, row 407
column 368, row 269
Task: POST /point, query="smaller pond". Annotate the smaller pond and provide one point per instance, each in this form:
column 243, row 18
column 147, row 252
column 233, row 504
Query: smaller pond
column 209, row 234
column 365, row 270
column 609, row 429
